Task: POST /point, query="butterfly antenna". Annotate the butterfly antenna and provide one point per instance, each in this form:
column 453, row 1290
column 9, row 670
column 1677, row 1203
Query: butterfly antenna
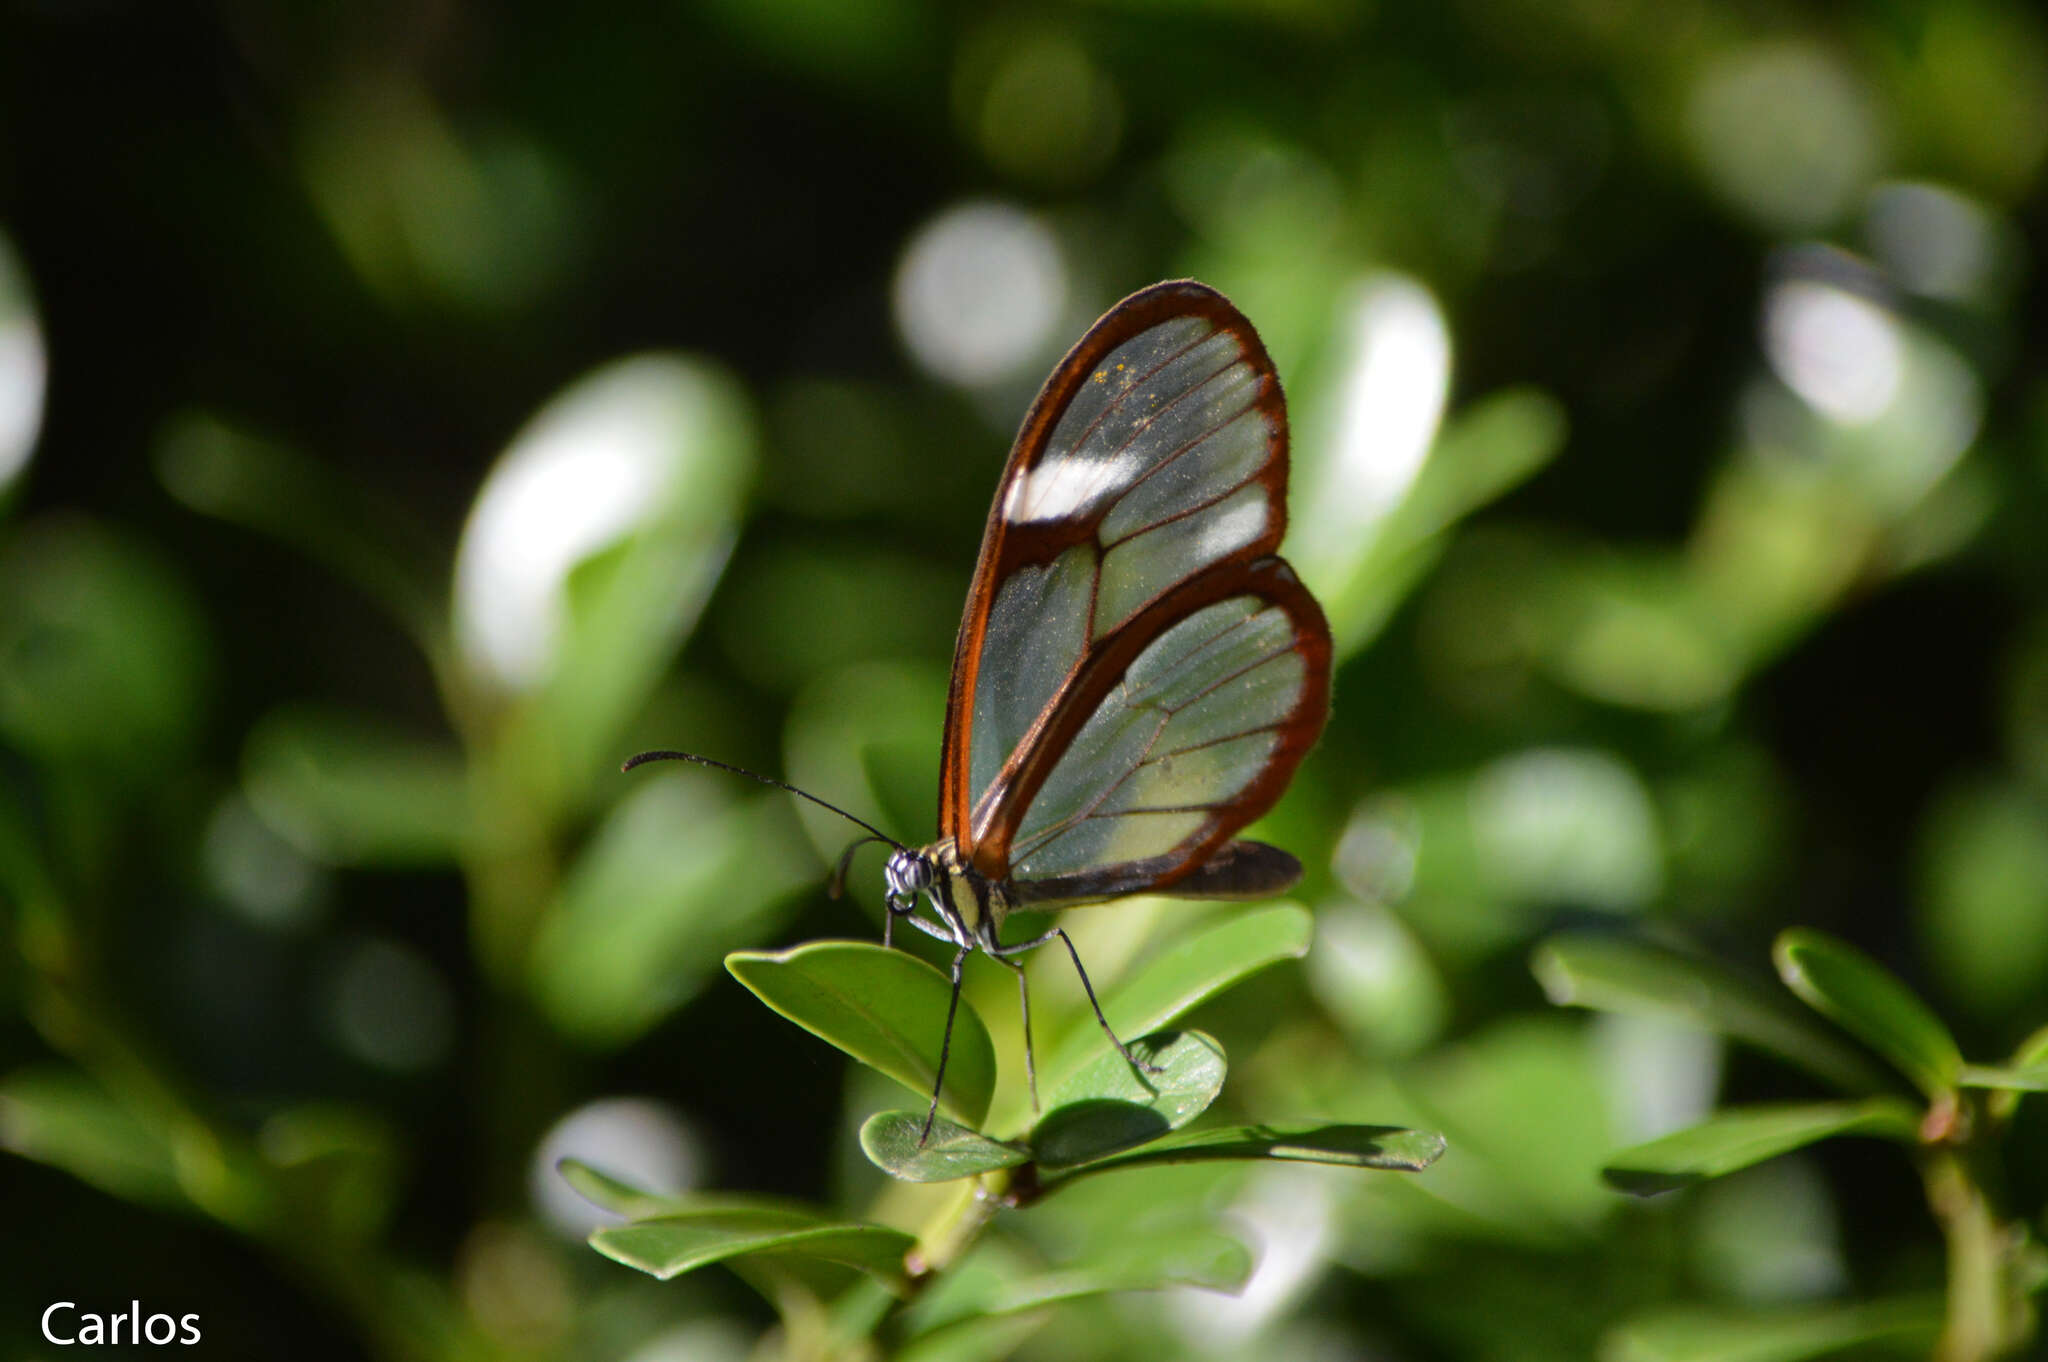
column 836, row 886
column 641, row 759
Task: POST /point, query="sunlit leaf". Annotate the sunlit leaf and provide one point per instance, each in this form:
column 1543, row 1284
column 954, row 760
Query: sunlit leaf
column 1842, row 983
column 1742, row 1136
column 885, row 1008
column 348, row 789
column 1389, row 1148
column 670, row 1245
column 1773, row 1335
column 1618, row 974
column 891, row 1140
column 589, row 552
column 1482, row 451
column 1107, row 1106
column 1193, row 969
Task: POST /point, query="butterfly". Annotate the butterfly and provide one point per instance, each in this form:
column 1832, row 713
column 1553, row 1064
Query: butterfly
column 1137, row 674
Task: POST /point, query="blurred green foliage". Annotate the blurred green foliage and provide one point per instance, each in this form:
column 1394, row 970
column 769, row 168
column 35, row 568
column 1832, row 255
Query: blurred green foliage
column 407, row 412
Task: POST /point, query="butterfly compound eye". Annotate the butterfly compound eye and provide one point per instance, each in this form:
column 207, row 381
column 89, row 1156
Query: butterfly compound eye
column 908, row 875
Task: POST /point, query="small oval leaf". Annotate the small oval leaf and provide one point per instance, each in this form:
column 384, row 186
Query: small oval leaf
column 1744, row 1136
column 1187, row 973
column 1864, row 998
column 886, row 1008
column 890, row 1139
column 616, row 1195
column 1108, row 1106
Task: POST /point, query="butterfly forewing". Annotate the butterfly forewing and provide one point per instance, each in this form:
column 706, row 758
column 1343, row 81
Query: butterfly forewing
column 1136, row 676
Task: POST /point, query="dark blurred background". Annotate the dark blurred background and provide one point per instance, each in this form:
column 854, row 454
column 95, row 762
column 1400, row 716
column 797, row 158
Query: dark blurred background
column 407, row 411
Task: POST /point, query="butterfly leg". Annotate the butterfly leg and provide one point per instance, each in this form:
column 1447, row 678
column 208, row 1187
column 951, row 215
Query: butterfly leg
column 999, row 952
column 1024, row 1003
column 945, row 1043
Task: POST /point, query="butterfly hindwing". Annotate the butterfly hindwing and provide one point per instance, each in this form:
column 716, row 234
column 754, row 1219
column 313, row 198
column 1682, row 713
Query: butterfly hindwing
column 1137, row 676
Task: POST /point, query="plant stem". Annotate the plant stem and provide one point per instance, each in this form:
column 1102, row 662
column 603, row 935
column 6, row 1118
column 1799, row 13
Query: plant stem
column 951, row 1232
column 1988, row 1314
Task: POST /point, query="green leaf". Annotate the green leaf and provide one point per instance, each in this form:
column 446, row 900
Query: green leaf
column 1743, row 1136
column 987, row 1339
column 221, row 469
column 2033, row 1078
column 670, row 1245
column 1389, row 1148
column 1615, row 974
column 349, row 790
column 2032, row 1051
column 584, row 627
column 64, row 1119
column 1481, row 452
column 1194, row 1256
column 1109, row 1106
column 606, row 1192
column 890, row 1140
column 686, row 867
column 1782, row 1335
column 1187, row 973
column 886, row 1008
column 103, row 652
column 1841, row 982
column 336, row 1167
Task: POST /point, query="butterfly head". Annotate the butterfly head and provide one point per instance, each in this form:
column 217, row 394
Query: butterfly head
column 908, row 874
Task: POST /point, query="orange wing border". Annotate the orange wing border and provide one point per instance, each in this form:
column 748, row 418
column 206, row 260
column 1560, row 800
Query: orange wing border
column 1005, row 547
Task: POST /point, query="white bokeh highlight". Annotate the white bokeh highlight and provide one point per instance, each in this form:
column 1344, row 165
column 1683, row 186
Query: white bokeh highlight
column 1841, row 352
column 635, row 1139
column 24, row 369
column 981, row 289
column 605, row 458
column 1393, row 379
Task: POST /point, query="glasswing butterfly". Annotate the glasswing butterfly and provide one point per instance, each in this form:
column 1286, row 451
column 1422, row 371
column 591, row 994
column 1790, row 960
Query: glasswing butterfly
column 1137, row 675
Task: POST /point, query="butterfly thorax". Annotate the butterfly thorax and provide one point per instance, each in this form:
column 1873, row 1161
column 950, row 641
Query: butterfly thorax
column 964, row 898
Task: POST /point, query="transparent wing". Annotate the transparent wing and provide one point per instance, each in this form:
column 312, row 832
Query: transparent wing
column 1156, row 757
column 1156, row 453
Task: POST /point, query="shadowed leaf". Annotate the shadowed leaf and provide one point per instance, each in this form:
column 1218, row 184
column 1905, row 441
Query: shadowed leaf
column 1390, row 1148
column 1108, row 1106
